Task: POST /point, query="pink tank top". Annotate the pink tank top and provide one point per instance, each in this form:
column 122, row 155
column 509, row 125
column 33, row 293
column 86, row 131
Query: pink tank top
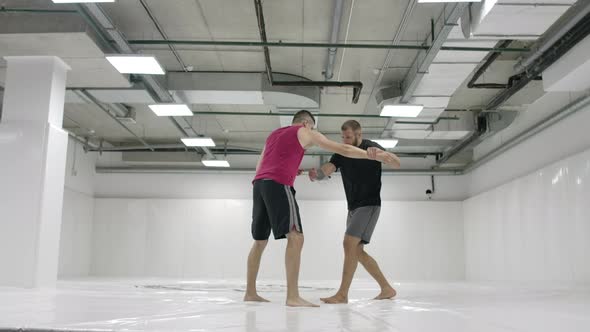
column 282, row 156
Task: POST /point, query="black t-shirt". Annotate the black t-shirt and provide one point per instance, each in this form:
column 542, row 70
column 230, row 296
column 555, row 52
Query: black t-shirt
column 361, row 178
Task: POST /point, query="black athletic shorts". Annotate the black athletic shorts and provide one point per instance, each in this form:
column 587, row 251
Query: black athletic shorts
column 274, row 208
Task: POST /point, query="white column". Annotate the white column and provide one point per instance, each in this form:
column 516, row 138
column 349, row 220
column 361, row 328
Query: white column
column 33, row 149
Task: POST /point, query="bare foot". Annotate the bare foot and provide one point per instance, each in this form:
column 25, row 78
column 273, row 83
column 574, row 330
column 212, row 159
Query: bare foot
column 336, row 299
column 299, row 302
column 254, row 298
column 386, row 294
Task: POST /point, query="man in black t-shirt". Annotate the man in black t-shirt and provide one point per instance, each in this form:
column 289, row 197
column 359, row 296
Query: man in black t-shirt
column 362, row 184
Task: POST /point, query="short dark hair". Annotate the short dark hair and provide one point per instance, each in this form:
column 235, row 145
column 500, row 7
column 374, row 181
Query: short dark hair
column 303, row 115
column 351, row 124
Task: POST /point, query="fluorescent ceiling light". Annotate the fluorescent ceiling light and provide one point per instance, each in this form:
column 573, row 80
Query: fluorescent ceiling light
column 215, row 163
column 136, row 64
column 402, row 110
column 438, row 1
column 81, row 1
column 198, row 141
column 386, row 143
column 171, row 110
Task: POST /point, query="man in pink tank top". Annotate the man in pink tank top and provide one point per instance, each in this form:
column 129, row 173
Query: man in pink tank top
column 274, row 204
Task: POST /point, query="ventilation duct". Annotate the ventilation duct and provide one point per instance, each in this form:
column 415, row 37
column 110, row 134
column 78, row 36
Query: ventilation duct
column 508, row 19
column 217, row 88
column 570, row 72
column 486, row 124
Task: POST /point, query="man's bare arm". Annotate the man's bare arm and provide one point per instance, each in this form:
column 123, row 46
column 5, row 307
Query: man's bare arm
column 376, row 153
column 309, row 138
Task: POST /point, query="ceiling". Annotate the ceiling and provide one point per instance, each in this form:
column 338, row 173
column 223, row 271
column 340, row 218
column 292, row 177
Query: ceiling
column 309, row 21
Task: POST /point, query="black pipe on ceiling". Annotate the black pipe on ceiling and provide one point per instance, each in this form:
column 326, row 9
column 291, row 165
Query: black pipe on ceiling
column 535, row 69
column 491, row 58
column 356, row 86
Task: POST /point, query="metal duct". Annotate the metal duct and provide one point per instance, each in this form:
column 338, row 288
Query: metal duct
column 336, row 19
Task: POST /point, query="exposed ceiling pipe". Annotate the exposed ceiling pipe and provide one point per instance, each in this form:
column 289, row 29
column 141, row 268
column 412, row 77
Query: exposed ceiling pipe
column 36, row 11
column 439, row 119
column 462, row 145
column 486, row 123
column 120, row 110
column 88, row 146
column 561, row 47
column 578, row 105
column 235, row 151
column 175, row 147
column 336, row 19
column 345, row 40
column 262, row 31
column 491, row 58
column 533, row 4
column 162, row 33
column 322, row 45
column 393, row 45
column 356, row 86
column 327, row 115
column 447, row 20
column 576, row 13
column 1, row 101
column 104, row 109
column 183, row 170
column 406, row 18
column 552, row 54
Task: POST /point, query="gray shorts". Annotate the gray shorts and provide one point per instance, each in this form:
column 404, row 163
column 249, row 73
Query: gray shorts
column 361, row 222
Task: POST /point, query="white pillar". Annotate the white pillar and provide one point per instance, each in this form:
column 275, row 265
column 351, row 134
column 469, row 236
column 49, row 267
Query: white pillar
column 33, row 149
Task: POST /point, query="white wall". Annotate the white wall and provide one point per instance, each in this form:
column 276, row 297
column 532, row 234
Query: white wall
column 528, row 217
column 198, row 225
column 77, row 215
column 170, row 224
column 536, row 227
column 565, row 138
column 211, row 237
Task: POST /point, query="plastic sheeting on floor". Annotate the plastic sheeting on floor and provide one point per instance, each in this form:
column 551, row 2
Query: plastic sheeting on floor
column 172, row 305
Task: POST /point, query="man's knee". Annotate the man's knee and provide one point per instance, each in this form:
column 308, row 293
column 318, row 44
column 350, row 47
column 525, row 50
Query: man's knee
column 351, row 243
column 260, row 244
column 295, row 239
